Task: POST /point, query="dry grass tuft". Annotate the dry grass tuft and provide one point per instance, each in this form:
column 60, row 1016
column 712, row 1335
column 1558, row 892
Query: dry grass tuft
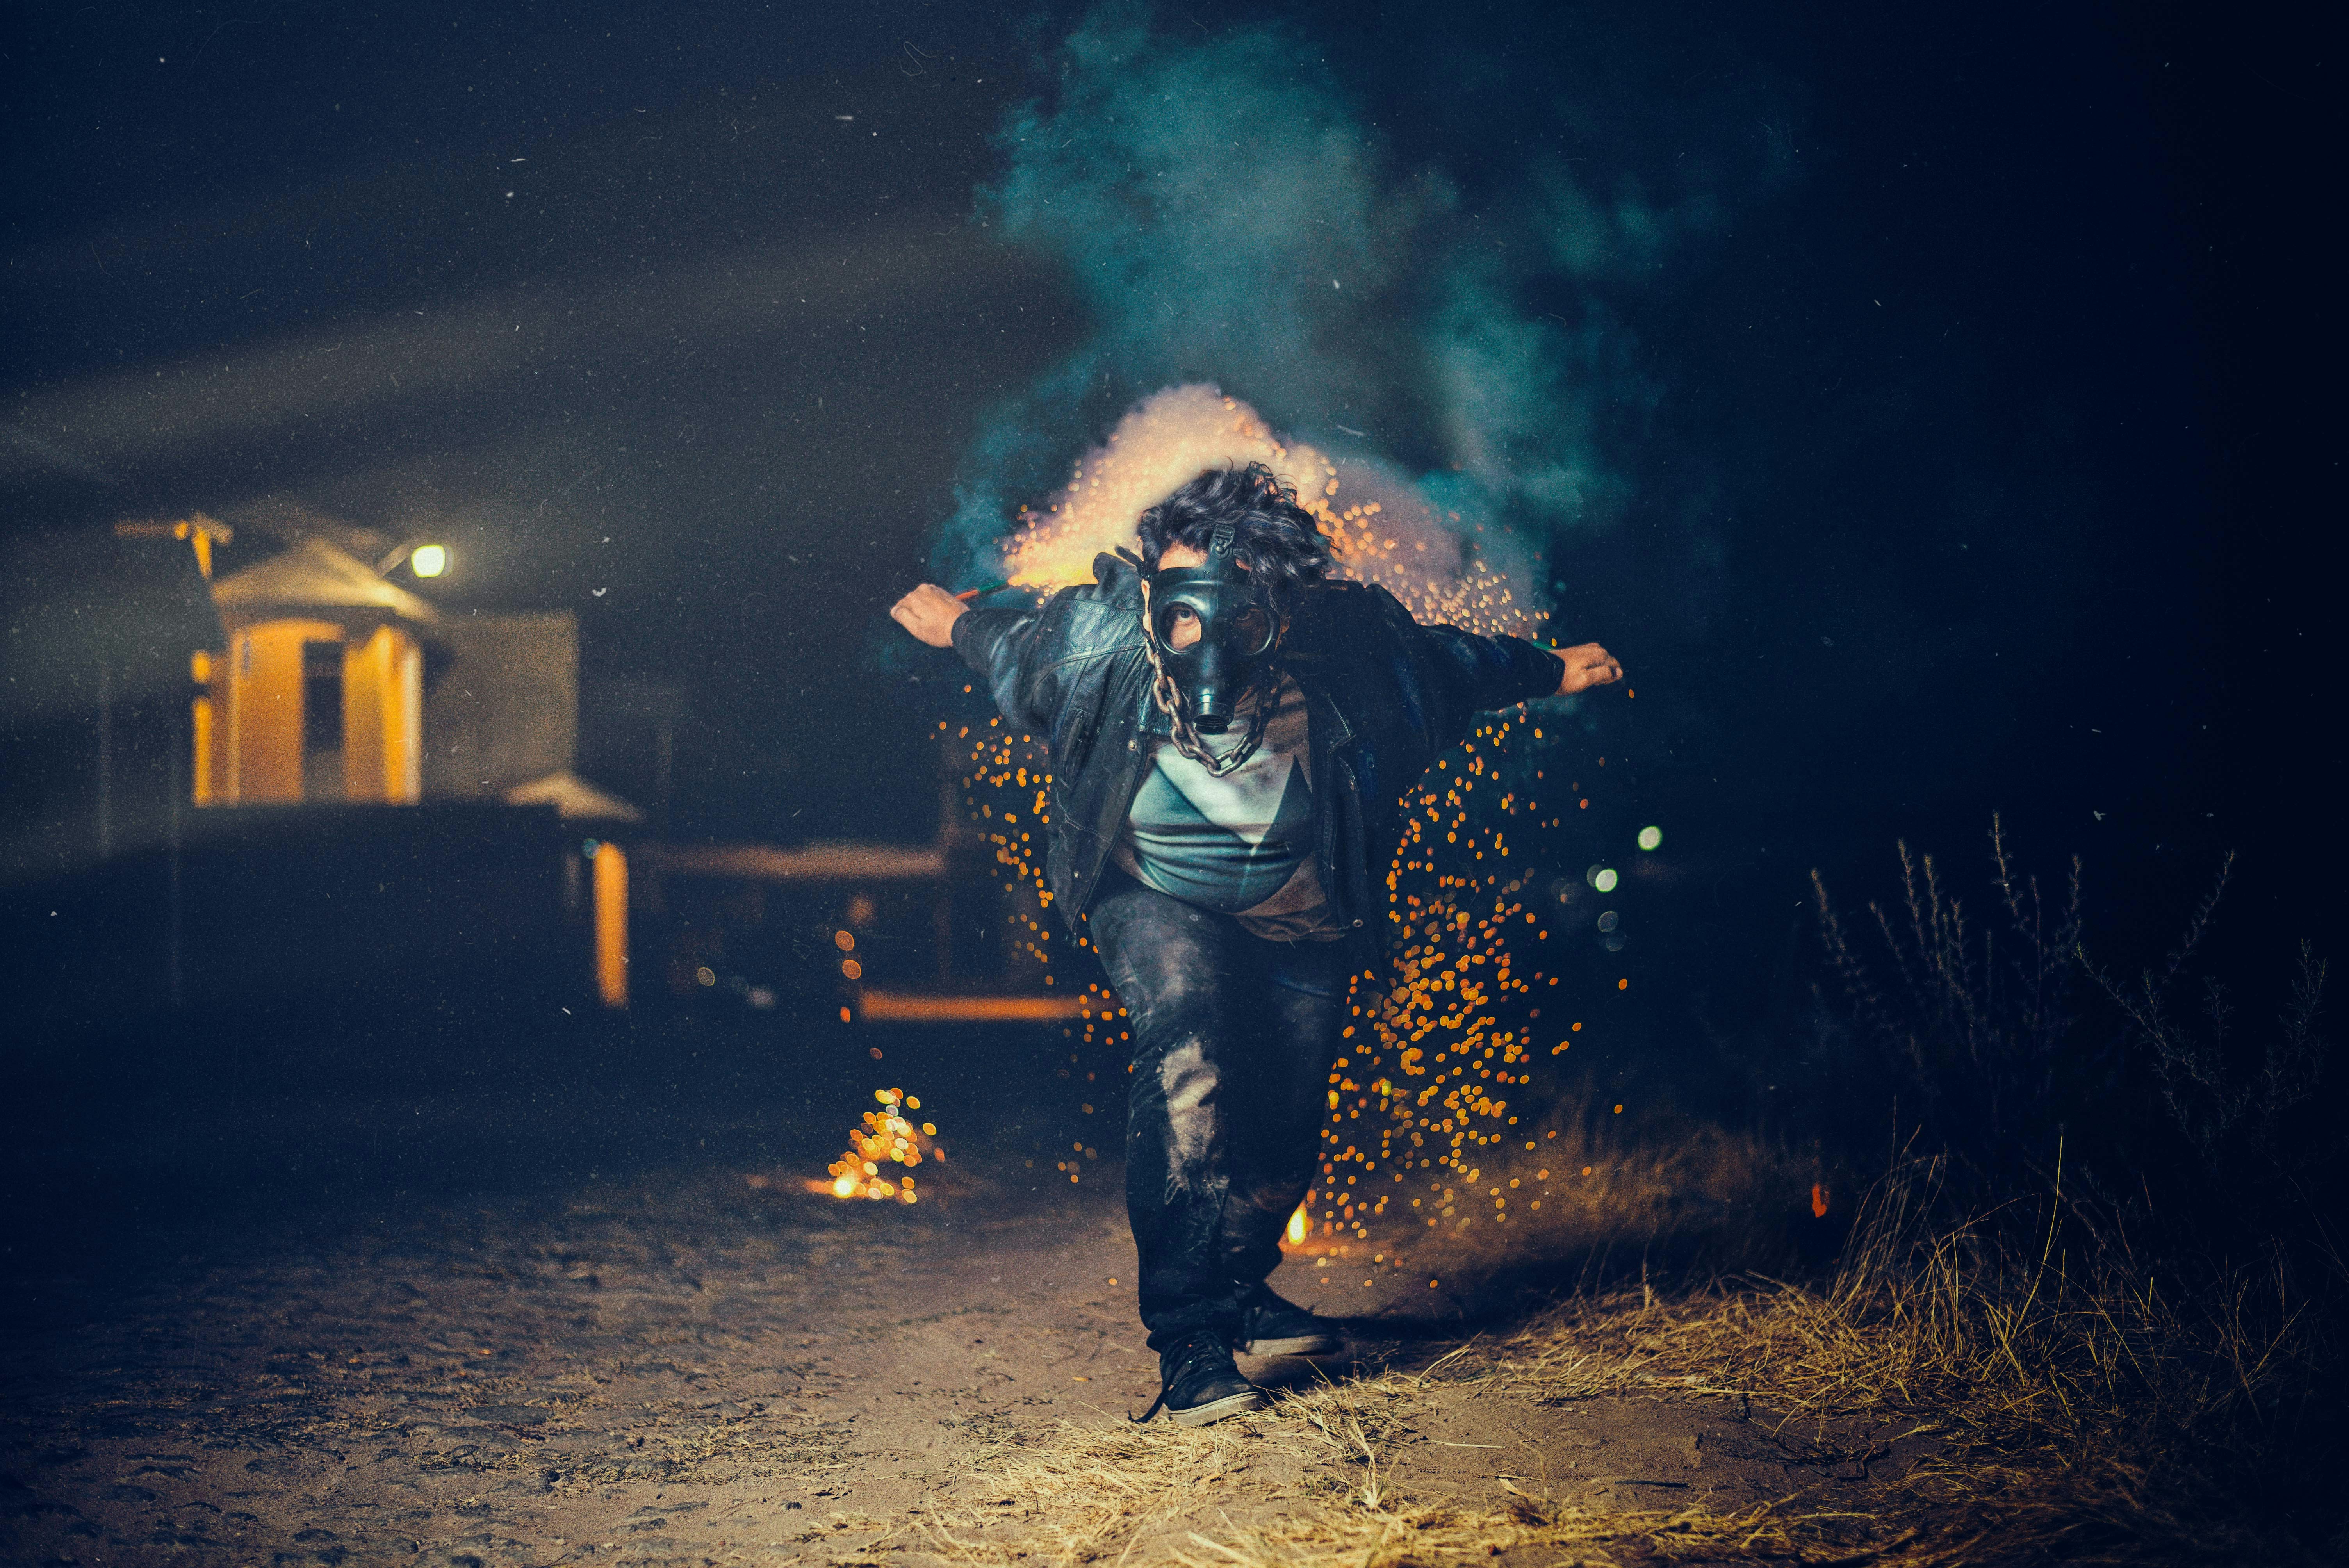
column 2085, row 1413
column 1082, row 1493
column 1436, row 1535
column 1244, row 1491
column 2089, row 1410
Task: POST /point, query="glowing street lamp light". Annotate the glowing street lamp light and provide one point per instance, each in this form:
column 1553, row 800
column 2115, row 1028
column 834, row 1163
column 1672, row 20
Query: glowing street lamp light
column 428, row 560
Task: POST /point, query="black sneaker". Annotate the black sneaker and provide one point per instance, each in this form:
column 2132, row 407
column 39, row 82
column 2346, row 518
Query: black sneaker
column 1271, row 1326
column 1199, row 1383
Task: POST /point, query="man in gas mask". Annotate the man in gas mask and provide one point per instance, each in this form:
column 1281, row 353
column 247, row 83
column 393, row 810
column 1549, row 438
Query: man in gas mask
column 1232, row 735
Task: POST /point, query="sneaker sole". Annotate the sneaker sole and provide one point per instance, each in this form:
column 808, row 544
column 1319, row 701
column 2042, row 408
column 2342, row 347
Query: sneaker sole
column 1216, row 1409
column 1305, row 1345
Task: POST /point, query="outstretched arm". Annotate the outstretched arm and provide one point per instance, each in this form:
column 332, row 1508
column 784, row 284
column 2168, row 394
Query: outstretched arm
column 995, row 644
column 1462, row 673
column 1483, row 674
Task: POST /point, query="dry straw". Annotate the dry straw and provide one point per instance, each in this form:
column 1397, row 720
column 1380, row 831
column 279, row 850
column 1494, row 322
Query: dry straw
column 2084, row 1415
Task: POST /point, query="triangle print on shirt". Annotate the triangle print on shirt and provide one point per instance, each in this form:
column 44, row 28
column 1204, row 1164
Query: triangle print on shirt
column 1228, row 844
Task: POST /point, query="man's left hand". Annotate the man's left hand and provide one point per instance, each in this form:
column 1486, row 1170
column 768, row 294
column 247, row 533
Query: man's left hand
column 1586, row 666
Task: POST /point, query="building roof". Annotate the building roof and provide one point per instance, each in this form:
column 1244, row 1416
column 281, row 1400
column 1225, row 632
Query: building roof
column 317, row 575
column 575, row 799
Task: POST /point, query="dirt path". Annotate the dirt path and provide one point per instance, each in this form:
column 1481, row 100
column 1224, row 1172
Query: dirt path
column 717, row 1367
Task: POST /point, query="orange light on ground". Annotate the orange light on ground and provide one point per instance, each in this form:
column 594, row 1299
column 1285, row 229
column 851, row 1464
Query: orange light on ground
column 884, row 1137
column 610, row 877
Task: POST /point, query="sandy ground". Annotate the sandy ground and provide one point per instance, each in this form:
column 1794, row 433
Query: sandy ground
column 712, row 1366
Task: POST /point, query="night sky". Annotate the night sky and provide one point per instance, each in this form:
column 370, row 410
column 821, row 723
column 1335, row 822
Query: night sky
column 1932, row 408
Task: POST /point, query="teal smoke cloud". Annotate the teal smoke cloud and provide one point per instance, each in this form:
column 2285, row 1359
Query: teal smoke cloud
column 1230, row 212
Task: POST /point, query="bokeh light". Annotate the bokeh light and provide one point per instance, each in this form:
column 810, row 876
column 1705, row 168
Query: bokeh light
column 428, row 560
column 884, row 1138
column 1651, row 837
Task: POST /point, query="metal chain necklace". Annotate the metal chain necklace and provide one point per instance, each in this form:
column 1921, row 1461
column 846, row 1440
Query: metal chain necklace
column 1169, row 698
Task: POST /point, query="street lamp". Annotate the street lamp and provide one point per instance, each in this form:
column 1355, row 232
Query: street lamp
column 428, row 560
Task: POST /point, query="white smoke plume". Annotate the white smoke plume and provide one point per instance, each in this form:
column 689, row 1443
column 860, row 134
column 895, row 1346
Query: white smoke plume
column 1382, row 528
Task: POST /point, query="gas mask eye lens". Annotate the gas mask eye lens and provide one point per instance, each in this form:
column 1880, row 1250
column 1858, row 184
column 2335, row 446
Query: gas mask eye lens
column 1178, row 627
column 1252, row 631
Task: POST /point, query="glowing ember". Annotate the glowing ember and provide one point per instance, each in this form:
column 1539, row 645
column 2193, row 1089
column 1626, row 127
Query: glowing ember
column 1428, row 1104
column 885, row 1137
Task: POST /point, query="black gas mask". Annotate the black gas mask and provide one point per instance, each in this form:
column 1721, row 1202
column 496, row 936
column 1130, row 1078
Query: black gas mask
column 1238, row 632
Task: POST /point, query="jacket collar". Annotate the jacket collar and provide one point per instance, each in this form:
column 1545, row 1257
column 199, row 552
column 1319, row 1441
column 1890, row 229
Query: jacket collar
column 1118, row 577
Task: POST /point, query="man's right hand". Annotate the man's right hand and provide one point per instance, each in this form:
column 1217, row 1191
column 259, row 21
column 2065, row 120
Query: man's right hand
column 929, row 612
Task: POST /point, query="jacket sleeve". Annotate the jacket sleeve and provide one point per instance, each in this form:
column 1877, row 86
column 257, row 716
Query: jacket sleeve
column 1458, row 675
column 1003, row 648
column 1031, row 658
column 1491, row 673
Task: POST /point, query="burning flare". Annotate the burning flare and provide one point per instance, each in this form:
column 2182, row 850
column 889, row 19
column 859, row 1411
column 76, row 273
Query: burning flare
column 884, row 1138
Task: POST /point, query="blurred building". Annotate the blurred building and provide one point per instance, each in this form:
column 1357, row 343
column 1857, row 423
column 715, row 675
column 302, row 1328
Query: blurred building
column 880, row 932
column 297, row 782
column 335, row 684
column 301, row 784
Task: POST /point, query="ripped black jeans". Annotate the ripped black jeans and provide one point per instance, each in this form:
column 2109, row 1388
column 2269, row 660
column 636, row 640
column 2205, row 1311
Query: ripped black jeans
column 1233, row 1035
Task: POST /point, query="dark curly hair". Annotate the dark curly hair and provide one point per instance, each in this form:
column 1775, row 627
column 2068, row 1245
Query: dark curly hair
column 1272, row 536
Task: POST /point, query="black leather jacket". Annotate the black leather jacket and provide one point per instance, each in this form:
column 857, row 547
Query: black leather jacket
column 1385, row 697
